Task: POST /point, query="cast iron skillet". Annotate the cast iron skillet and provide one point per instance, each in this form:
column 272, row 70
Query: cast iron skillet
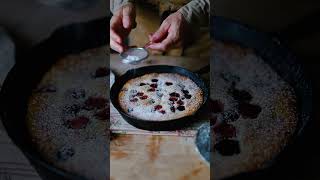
column 26, row 74
column 283, row 61
column 156, row 125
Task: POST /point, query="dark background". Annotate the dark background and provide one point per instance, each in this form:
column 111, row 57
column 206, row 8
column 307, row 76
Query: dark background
column 276, row 16
column 29, row 22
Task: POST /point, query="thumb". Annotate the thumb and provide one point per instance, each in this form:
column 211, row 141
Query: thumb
column 128, row 16
column 161, row 33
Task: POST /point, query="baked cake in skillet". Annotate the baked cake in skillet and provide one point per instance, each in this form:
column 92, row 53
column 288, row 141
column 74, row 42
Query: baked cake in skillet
column 254, row 111
column 160, row 96
column 68, row 113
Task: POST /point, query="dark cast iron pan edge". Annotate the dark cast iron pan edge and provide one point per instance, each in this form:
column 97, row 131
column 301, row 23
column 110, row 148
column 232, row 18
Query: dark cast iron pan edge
column 168, row 125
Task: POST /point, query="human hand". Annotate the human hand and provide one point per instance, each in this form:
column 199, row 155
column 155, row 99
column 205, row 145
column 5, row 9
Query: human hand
column 121, row 24
column 172, row 33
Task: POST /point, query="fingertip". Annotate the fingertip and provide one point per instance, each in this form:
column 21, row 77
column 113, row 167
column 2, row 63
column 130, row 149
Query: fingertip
column 156, row 47
column 122, row 48
column 126, row 22
column 162, row 46
column 150, row 47
column 116, row 46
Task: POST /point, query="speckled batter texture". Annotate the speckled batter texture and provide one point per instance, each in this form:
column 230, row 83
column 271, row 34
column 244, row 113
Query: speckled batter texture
column 68, row 114
column 240, row 77
column 160, row 96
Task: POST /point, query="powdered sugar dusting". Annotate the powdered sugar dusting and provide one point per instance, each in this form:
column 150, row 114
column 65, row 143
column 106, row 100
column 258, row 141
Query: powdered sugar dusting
column 160, row 96
column 69, row 126
column 261, row 138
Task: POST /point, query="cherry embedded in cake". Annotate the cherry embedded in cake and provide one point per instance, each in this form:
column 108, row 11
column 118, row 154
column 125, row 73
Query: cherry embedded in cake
column 101, row 72
column 78, row 122
column 173, row 96
column 140, row 94
column 151, row 90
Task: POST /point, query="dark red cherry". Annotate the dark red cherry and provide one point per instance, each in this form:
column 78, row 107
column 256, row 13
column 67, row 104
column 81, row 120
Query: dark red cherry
column 185, row 91
column 225, row 130
column 78, row 122
column 140, row 94
column 216, row 106
column 181, row 108
column 153, row 85
column 95, row 102
column 227, row 147
column 134, row 100
column 102, row 115
column 101, row 72
column 188, row 96
column 144, row 97
column 157, row 107
column 241, row 95
column 180, row 102
column 174, row 94
column 249, row 110
column 151, row 90
column 173, row 99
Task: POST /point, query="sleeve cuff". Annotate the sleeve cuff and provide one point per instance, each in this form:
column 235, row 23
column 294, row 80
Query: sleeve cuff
column 196, row 11
column 116, row 4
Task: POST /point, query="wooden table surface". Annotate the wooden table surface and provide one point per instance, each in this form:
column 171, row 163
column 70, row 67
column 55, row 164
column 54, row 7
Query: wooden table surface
column 145, row 157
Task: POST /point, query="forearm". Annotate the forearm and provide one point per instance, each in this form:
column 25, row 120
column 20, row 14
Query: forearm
column 116, row 4
column 196, row 12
